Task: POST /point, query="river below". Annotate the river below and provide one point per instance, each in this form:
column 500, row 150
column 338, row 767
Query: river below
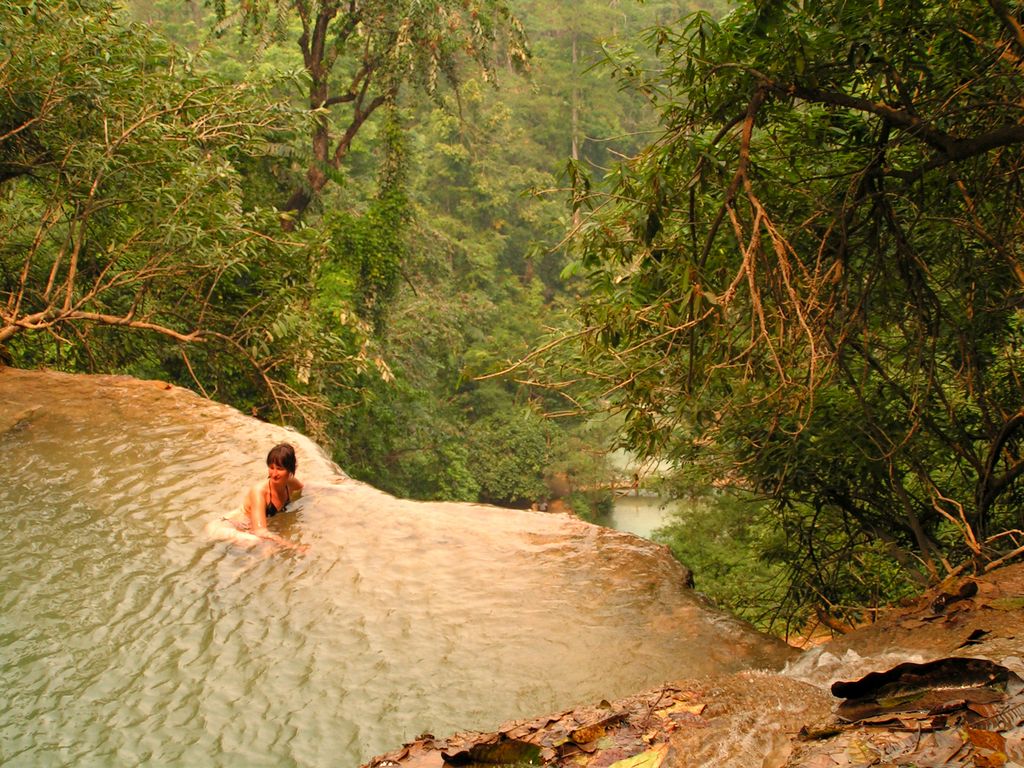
column 130, row 637
column 640, row 514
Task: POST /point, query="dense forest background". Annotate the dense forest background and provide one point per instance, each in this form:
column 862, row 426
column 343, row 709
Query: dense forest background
column 472, row 245
column 446, row 220
column 429, row 255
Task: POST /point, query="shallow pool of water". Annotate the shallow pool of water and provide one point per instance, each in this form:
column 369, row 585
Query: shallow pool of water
column 129, row 637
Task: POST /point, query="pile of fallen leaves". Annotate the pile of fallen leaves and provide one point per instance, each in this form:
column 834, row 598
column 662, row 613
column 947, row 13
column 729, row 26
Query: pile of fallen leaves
column 955, row 712
column 632, row 734
column 947, row 712
column 963, row 708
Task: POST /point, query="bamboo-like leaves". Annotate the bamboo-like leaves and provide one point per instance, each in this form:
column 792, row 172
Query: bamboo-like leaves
column 834, row 188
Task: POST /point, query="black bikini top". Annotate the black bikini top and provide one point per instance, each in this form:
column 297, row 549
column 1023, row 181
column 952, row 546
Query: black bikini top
column 273, row 510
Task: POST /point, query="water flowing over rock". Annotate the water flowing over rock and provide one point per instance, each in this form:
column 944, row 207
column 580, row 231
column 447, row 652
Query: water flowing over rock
column 940, row 684
column 128, row 636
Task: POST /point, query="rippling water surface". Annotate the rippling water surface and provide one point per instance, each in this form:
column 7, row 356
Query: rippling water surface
column 129, row 637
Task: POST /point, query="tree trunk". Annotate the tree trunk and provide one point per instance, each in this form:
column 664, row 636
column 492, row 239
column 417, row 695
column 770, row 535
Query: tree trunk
column 574, row 120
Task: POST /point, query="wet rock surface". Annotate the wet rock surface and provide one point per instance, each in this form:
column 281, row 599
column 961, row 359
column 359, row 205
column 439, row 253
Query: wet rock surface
column 936, row 683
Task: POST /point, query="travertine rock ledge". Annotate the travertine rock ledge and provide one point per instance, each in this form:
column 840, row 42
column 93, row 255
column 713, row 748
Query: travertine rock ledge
column 784, row 720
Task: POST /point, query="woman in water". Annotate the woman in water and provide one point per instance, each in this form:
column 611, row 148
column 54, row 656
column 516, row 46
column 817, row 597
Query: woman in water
column 267, row 498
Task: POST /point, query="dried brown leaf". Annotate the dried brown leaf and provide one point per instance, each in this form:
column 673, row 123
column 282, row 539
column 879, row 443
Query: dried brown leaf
column 594, row 731
column 988, row 740
column 652, row 758
column 694, row 708
column 496, row 751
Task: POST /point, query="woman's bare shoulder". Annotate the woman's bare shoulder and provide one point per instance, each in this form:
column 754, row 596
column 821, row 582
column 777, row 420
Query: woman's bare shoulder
column 258, row 489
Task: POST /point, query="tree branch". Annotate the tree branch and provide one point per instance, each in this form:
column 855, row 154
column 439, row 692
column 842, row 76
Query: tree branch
column 952, row 148
column 1009, row 21
column 43, row 320
column 991, row 486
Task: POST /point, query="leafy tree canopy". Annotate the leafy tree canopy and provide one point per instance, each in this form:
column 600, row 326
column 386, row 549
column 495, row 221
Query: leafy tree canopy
column 122, row 208
column 358, row 54
column 808, row 288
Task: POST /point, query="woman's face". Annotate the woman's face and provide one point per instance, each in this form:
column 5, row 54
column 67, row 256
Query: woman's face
column 277, row 474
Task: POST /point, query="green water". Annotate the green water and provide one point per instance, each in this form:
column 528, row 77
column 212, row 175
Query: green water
column 129, row 637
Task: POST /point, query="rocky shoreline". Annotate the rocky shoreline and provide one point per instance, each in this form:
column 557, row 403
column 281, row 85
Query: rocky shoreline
column 951, row 714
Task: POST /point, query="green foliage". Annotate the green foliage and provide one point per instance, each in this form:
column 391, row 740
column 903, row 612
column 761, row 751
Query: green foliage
column 509, row 454
column 481, row 274
column 726, row 541
column 357, row 57
column 580, row 112
column 401, row 441
column 590, row 505
column 422, row 262
column 370, row 245
column 123, row 210
column 741, row 552
column 806, row 287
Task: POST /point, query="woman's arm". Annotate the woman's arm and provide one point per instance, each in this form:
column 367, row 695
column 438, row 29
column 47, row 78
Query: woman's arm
column 281, row 541
column 255, row 506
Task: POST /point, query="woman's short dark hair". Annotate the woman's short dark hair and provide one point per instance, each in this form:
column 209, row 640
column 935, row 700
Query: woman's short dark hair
column 282, row 455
